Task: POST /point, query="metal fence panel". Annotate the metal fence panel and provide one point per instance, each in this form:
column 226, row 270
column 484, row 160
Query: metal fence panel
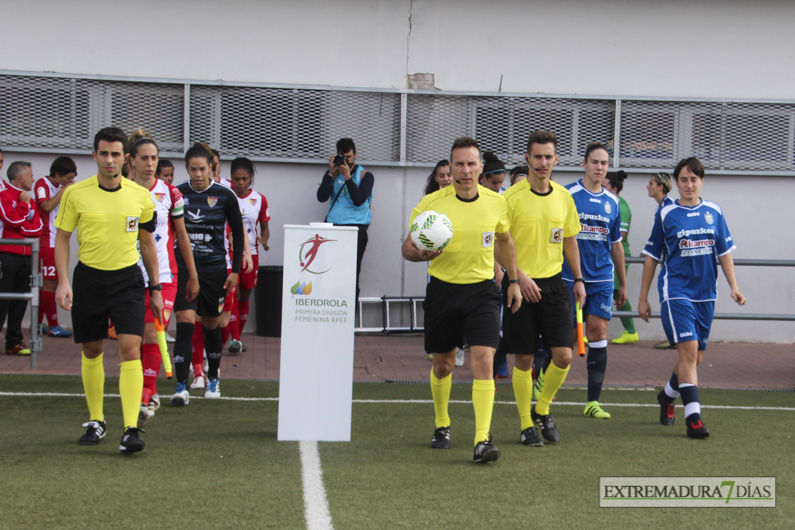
column 60, row 113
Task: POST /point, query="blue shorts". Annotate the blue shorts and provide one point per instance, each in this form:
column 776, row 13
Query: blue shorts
column 598, row 299
column 684, row 320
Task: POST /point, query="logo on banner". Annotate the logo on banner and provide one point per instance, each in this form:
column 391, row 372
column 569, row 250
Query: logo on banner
column 307, row 253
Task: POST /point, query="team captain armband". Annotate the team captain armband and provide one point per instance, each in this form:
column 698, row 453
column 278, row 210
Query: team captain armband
column 149, row 226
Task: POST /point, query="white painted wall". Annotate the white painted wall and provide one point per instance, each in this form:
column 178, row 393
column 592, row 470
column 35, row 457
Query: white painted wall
column 707, row 48
column 711, row 49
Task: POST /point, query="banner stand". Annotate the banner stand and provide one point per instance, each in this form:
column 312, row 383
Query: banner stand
column 318, row 312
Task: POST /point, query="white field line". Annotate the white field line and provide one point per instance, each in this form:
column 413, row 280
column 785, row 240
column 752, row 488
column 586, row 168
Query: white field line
column 316, row 508
column 416, row 401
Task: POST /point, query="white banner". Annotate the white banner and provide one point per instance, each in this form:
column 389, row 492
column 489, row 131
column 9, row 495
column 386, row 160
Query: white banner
column 318, row 307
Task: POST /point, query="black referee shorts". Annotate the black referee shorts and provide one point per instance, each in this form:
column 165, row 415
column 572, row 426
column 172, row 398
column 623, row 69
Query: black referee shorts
column 99, row 295
column 551, row 317
column 454, row 312
column 210, row 302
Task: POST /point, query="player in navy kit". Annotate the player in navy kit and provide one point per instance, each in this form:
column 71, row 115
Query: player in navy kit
column 600, row 247
column 689, row 238
column 208, row 207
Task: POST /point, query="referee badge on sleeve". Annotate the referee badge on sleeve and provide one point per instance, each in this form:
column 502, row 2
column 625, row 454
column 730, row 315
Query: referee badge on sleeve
column 557, row 235
column 132, row 224
column 488, row 239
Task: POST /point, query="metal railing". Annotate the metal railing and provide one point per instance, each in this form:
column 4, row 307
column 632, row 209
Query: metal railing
column 388, row 302
column 33, row 295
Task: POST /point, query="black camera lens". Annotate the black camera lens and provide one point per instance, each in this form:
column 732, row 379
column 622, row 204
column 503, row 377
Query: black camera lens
column 339, row 160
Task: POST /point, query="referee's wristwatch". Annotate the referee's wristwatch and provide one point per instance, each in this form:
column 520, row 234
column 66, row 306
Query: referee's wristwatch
column 157, row 287
column 579, row 280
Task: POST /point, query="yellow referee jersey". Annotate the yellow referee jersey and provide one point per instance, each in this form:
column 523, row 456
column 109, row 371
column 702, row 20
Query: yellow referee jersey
column 538, row 225
column 469, row 258
column 106, row 221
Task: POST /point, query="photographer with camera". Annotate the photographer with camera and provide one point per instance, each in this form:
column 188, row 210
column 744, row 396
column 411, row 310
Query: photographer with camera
column 350, row 189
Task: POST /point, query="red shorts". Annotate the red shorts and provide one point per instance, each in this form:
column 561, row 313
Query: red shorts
column 248, row 280
column 169, row 294
column 47, row 262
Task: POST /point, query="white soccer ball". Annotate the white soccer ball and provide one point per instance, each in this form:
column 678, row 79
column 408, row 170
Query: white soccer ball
column 431, row 230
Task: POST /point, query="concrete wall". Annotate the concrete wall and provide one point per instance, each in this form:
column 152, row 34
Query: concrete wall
column 711, row 49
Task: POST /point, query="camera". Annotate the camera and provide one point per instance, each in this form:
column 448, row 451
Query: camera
column 339, row 160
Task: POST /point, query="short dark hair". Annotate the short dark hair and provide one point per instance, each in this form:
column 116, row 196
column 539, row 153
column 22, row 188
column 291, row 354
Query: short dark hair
column 62, row 165
column 542, row 137
column 593, row 146
column 199, row 150
column 162, row 163
column 16, row 169
column 616, row 179
column 245, row 164
column 693, row 164
column 111, row 134
column 344, row 145
column 464, row 141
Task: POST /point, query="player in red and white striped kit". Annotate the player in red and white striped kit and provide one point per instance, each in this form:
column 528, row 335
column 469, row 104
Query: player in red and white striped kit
column 142, row 165
column 254, row 210
column 48, row 192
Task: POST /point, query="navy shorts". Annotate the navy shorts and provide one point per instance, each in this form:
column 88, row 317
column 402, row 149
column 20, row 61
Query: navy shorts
column 598, row 299
column 684, row 320
column 454, row 312
column 210, row 302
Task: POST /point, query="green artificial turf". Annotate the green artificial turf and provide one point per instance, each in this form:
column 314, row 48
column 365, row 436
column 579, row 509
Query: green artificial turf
column 217, row 463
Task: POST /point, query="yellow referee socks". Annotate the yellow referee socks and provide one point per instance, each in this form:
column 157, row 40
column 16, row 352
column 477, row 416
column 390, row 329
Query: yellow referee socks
column 483, row 402
column 523, row 393
column 440, row 389
column 553, row 379
column 93, row 373
column 131, row 383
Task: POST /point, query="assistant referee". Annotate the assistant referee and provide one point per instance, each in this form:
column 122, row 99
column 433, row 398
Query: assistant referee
column 112, row 214
column 462, row 301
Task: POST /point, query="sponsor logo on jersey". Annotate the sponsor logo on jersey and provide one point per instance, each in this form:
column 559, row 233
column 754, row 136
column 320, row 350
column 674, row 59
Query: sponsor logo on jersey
column 608, row 208
column 694, row 214
column 196, row 217
column 557, row 235
column 160, row 196
column 132, row 224
column 597, row 201
column 488, row 239
column 708, row 218
column 42, row 193
column 212, row 201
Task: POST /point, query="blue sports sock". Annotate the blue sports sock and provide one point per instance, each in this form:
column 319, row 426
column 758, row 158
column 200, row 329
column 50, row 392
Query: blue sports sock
column 597, row 364
column 672, row 388
column 689, row 394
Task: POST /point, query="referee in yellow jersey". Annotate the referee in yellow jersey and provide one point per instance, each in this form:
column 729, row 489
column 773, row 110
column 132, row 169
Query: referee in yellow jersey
column 462, row 301
column 111, row 214
column 544, row 223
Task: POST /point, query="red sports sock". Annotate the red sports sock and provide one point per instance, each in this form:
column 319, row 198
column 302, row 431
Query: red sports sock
column 150, row 361
column 198, row 349
column 234, row 327
column 48, row 308
column 243, row 318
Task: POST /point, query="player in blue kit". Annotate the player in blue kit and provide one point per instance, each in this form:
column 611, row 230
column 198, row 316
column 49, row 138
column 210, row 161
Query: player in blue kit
column 600, row 247
column 689, row 238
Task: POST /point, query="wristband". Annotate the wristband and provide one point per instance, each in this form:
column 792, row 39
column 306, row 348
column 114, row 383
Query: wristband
column 513, row 281
column 157, row 287
column 579, row 280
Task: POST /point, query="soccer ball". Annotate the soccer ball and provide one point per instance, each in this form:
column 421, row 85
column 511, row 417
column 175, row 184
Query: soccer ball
column 431, row 230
